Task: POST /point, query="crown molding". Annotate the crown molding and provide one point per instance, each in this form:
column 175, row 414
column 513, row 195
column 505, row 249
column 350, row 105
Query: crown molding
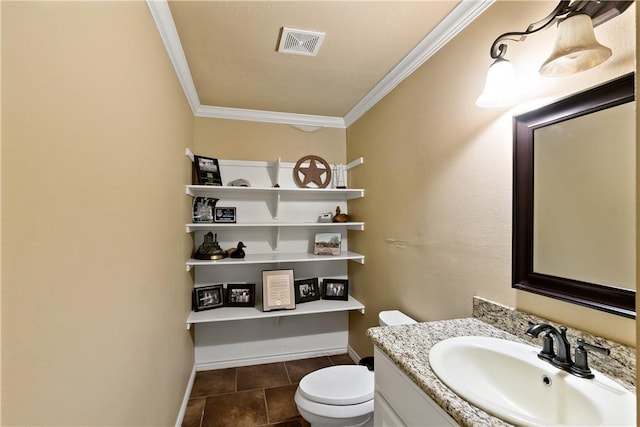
column 448, row 28
column 167, row 28
column 452, row 24
column 270, row 117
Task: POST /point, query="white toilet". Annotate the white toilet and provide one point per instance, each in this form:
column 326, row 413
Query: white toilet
column 342, row 395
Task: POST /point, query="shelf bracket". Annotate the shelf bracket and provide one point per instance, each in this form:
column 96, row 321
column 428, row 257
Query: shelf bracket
column 354, row 163
column 189, row 154
column 274, row 169
column 276, row 238
column 277, row 205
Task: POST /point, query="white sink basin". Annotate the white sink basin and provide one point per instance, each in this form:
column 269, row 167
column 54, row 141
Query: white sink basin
column 508, row 380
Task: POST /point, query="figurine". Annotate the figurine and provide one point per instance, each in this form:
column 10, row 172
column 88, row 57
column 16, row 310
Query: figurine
column 236, row 252
column 210, row 248
column 340, row 217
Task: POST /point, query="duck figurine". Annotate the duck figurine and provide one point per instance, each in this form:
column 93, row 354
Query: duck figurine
column 237, row 252
column 340, row 217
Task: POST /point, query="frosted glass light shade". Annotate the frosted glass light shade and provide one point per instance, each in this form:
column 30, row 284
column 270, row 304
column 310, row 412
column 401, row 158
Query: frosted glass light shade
column 501, row 87
column 576, row 48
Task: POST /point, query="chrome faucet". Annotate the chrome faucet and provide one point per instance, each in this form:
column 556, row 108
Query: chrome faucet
column 562, row 360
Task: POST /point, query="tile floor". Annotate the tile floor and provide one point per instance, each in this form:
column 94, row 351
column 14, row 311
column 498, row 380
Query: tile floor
column 252, row 396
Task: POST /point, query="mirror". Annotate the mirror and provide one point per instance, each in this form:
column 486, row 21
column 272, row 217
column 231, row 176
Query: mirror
column 562, row 241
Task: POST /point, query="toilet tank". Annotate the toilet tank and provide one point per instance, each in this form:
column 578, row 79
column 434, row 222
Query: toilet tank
column 394, row 317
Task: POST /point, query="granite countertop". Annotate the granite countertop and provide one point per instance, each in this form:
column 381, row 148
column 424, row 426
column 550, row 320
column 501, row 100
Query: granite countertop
column 408, row 347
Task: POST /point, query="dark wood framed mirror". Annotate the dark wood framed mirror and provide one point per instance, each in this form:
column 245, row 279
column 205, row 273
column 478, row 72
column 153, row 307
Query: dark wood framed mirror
column 529, row 129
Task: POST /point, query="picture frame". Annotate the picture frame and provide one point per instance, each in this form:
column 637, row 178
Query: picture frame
column 240, row 295
column 307, row 290
column 277, row 290
column 207, row 297
column 327, row 244
column 207, row 171
column 203, row 209
column 224, row 215
column 335, row 289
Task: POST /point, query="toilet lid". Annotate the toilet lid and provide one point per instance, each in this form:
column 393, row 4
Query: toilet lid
column 338, row 385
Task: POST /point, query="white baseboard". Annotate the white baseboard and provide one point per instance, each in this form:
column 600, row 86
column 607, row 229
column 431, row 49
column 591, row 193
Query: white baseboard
column 353, row 355
column 185, row 399
column 220, row 364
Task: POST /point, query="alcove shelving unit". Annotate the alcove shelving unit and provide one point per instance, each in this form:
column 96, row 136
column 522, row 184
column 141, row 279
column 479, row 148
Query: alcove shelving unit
column 277, row 224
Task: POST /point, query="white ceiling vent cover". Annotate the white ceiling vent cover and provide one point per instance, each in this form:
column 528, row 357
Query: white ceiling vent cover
column 300, row 42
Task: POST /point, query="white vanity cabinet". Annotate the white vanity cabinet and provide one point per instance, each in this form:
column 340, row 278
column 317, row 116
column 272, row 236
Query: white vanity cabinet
column 278, row 225
column 400, row 402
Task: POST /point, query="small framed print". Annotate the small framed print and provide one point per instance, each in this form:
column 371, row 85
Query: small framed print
column 277, row 290
column 241, row 295
column 307, row 290
column 224, row 215
column 207, row 170
column 336, row 289
column 207, row 297
column 327, row 244
column 203, row 208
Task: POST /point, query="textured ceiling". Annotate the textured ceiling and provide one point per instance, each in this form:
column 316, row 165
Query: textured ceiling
column 225, row 54
column 230, row 48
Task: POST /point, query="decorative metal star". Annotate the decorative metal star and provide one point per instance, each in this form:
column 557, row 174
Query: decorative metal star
column 318, row 172
column 312, row 174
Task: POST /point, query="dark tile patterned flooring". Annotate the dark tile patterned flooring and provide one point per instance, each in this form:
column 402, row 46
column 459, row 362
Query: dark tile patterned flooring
column 252, row 396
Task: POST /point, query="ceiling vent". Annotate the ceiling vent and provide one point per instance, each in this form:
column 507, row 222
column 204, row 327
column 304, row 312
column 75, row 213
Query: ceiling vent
column 300, row 42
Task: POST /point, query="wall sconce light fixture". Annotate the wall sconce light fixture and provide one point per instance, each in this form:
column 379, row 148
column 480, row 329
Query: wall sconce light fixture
column 576, row 48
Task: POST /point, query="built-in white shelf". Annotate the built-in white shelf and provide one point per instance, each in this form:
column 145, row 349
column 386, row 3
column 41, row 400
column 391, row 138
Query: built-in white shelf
column 273, row 213
column 210, row 226
column 225, row 314
column 277, row 257
column 326, row 193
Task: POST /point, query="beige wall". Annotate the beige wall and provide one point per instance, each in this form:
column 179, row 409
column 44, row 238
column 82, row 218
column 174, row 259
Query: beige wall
column 438, row 179
column 241, row 140
column 94, row 288
column 637, row 207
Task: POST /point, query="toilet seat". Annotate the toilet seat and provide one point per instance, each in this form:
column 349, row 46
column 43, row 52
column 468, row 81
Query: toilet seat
column 338, row 385
column 333, row 414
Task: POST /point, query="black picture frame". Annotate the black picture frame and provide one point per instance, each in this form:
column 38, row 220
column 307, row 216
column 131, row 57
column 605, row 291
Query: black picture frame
column 224, row 215
column 306, row 290
column 240, row 295
column 208, row 297
column 207, row 171
column 335, row 289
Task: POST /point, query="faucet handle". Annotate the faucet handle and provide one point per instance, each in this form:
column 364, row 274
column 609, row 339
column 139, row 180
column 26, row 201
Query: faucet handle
column 547, row 352
column 593, row 347
column 581, row 365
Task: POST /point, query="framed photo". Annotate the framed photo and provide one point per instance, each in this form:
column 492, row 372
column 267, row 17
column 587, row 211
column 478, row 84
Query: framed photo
column 337, row 289
column 207, row 170
column 203, row 209
column 227, row 215
column 327, row 244
column 277, row 290
column 241, row 295
column 307, row 290
column 207, row 297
